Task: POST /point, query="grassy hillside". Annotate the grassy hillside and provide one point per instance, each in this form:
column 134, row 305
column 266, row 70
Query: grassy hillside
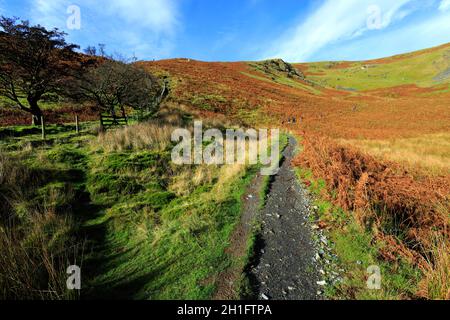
column 428, row 152
column 426, row 68
column 395, row 203
column 261, row 93
column 375, row 153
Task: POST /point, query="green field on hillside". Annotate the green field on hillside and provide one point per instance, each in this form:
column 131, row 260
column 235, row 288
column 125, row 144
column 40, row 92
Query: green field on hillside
column 423, row 68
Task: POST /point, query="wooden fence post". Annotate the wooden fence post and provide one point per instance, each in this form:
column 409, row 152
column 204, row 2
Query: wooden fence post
column 76, row 124
column 43, row 127
column 102, row 127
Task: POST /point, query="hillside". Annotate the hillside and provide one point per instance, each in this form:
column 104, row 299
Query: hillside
column 130, row 171
column 428, row 68
column 375, row 150
column 403, row 100
column 366, row 179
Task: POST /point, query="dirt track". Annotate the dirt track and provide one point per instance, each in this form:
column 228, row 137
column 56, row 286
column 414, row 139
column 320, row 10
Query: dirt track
column 284, row 267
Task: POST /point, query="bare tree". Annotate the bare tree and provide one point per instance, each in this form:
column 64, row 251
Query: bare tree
column 90, row 51
column 101, row 50
column 34, row 62
column 114, row 85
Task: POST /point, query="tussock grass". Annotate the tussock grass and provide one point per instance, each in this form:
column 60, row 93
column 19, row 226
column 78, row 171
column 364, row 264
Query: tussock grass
column 436, row 281
column 150, row 135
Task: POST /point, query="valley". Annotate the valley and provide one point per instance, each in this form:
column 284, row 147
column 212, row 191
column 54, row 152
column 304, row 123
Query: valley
column 370, row 166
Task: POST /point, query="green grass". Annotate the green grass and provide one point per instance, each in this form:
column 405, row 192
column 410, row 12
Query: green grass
column 430, row 152
column 419, row 68
column 158, row 245
column 16, row 138
column 144, row 240
column 264, row 192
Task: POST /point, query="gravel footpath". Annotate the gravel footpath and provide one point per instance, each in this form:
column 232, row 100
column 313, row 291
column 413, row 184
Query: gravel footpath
column 284, row 267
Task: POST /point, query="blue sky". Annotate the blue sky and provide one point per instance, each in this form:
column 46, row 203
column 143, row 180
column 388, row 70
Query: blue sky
column 231, row 30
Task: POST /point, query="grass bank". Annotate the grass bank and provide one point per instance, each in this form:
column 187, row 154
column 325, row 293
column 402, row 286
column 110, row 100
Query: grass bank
column 115, row 204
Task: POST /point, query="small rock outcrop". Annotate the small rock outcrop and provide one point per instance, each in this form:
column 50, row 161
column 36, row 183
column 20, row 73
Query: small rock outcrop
column 284, row 67
column 274, row 66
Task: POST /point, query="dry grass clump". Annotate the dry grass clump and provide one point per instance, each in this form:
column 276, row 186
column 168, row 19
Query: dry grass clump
column 35, row 257
column 436, row 281
column 148, row 135
column 406, row 211
column 430, row 152
column 153, row 134
column 188, row 178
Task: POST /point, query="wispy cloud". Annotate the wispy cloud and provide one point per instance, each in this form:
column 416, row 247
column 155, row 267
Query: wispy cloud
column 429, row 32
column 335, row 21
column 156, row 15
column 146, row 28
column 444, row 5
column 49, row 13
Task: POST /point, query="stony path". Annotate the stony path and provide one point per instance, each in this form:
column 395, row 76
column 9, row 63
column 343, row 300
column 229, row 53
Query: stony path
column 284, row 268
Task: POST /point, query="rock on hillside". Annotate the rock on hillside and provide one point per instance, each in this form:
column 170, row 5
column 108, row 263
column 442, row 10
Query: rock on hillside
column 276, row 66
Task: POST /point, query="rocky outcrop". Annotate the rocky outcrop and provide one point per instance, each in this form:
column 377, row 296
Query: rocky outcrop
column 275, row 66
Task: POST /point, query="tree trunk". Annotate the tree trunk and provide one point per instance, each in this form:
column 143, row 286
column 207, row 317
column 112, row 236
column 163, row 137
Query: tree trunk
column 35, row 111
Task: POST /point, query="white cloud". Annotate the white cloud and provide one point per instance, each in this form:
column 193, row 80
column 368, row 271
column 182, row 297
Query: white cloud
column 335, row 21
column 445, row 5
column 49, row 13
column 147, row 28
column 427, row 33
column 156, row 15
